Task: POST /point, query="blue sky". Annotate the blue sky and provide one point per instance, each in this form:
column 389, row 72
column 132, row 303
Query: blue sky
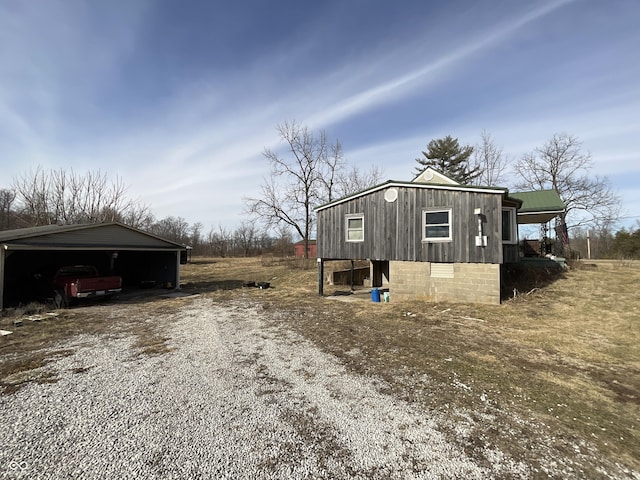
column 181, row 98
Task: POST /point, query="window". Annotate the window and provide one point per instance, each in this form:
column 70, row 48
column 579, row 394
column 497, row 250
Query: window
column 355, row 228
column 509, row 229
column 437, row 225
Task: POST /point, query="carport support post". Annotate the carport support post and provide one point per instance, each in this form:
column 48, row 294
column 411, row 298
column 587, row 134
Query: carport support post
column 2, row 250
column 351, row 275
column 177, row 285
column 320, row 276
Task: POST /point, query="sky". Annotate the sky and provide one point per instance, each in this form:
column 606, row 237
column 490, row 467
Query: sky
column 180, row 99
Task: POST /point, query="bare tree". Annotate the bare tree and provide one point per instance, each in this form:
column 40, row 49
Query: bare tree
column 355, row 180
column 560, row 164
column 284, row 240
column 137, row 215
column 295, row 184
column 175, row 229
column 245, row 237
column 61, row 197
column 7, row 197
column 490, row 161
column 196, row 237
column 331, row 172
column 219, row 240
column 33, row 196
column 311, row 173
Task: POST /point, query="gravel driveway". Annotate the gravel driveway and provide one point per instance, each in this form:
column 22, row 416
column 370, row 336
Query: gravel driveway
column 238, row 397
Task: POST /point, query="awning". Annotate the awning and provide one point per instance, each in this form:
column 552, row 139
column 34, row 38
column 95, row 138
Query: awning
column 539, row 206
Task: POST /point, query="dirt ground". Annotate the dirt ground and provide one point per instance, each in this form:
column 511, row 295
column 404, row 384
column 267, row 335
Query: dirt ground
column 551, row 376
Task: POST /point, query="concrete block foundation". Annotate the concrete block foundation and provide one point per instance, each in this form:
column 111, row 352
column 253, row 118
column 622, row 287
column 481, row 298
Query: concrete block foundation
column 458, row 282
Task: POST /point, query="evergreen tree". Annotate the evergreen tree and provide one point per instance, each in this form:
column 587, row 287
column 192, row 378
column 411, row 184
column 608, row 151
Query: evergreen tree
column 627, row 244
column 448, row 157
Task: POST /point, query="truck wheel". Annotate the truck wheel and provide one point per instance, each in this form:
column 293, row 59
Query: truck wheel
column 60, row 299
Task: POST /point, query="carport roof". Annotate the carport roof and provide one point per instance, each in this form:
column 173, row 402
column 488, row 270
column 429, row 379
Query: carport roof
column 18, row 233
column 539, row 206
column 102, row 235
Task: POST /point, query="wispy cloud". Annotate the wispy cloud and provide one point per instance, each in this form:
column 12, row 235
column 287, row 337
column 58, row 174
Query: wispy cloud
column 433, row 72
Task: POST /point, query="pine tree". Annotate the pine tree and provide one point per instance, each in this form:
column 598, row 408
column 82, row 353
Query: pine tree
column 448, row 157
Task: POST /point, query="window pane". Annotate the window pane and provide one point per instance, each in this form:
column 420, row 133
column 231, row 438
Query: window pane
column 355, row 223
column 437, row 217
column 355, row 229
column 440, row 231
column 506, row 225
column 355, row 235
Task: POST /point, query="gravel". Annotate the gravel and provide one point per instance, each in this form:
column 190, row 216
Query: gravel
column 236, row 397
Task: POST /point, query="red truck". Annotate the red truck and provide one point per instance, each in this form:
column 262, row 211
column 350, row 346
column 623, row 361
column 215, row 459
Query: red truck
column 83, row 281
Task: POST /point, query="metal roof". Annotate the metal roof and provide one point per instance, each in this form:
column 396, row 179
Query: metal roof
column 18, row 233
column 539, row 206
column 100, row 235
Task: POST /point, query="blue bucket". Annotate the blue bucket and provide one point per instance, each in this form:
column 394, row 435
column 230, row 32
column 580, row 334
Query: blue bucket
column 375, row 295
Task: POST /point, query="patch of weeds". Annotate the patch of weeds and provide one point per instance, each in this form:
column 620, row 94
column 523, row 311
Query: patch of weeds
column 81, row 369
column 47, row 377
column 22, row 370
column 152, row 345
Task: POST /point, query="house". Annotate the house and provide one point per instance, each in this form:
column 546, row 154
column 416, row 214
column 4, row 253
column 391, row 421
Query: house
column 431, row 238
column 29, row 257
column 298, row 249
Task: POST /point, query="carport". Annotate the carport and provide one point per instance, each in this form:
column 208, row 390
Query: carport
column 29, row 257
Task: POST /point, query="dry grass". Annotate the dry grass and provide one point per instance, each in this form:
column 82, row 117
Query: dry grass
column 566, row 356
column 555, row 373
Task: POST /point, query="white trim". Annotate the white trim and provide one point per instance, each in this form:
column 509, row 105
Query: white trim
column 449, row 224
column 353, row 216
column 513, row 220
column 430, row 175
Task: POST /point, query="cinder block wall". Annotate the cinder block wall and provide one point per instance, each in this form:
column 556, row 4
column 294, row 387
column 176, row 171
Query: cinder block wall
column 470, row 282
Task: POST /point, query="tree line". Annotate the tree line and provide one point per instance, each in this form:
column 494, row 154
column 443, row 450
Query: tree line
column 559, row 164
column 60, row 197
column 310, row 170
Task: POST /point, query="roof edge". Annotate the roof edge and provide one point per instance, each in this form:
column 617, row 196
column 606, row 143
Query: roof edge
column 397, row 183
column 43, row 230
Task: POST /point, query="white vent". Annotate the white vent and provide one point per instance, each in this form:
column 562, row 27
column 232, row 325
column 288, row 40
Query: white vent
column 391, row 195
column 442, row 270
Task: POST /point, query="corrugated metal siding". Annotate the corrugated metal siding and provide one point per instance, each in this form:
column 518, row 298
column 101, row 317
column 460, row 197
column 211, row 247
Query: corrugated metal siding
column 393, row 231
column 107, row 236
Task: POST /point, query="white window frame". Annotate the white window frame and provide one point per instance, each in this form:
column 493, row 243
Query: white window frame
column 513, row 234
column 347, row 230
column 449, row 224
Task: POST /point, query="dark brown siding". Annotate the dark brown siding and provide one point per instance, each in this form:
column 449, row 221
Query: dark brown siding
column 393, row 231
column 511, row 253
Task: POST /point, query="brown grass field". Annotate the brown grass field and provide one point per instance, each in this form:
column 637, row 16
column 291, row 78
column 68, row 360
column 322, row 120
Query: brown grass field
column 554, row 371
